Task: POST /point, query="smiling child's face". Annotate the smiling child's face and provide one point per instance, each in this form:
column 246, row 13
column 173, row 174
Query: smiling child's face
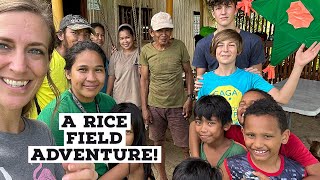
column 247, row 99
column 211, row 130
column 226, row 52
column 263, row 138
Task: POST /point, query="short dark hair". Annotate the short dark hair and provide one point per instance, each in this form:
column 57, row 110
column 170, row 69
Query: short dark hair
column 263, row 93
column 96, row 24
column 213, row 3
column 196, row 169
column 267, row 107
column 213, row 105
column 79, row 47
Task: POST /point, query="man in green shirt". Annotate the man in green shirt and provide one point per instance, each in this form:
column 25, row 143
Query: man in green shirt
column 163, row 99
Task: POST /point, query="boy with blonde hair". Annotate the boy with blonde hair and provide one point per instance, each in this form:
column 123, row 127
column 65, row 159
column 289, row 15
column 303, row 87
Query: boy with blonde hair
column 232, row 82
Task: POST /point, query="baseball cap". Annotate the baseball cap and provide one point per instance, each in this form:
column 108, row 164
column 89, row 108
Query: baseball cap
column 161, row 20
column 75, row 22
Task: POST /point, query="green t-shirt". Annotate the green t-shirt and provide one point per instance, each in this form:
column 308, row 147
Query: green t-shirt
column 67, row 105
column 166, row 88
column 233, row 150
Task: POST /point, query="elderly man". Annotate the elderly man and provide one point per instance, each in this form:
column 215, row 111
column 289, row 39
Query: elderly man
column 73, row 28
column 164, row 104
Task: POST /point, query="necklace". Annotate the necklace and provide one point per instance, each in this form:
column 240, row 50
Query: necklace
column 79, row 105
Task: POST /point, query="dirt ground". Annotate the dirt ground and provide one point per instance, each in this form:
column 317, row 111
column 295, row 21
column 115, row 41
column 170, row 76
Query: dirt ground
column 303, row 126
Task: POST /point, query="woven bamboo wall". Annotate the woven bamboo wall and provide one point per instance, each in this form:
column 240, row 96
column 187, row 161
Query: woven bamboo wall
column 111, row 14
column 183, row 22
column 182, row 18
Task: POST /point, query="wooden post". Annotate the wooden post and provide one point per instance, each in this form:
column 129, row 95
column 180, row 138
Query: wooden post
column 57, row 11
column 169, row 7
column 201, row 13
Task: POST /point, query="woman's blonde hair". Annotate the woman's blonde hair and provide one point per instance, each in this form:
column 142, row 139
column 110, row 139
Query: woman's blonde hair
column 42, row 9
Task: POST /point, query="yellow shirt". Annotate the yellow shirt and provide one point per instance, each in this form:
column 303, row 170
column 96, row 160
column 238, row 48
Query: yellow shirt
column 57, row 73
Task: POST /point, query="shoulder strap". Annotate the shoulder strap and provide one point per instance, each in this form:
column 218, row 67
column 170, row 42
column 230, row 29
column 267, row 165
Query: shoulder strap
column 37, row 105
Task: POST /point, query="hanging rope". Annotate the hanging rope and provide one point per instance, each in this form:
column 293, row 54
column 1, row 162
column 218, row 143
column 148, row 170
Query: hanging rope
column 140, row 25
column 105, row 23
column 136, row 26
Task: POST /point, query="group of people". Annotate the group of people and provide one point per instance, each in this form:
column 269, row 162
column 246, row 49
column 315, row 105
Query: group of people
column 228, row 65
column 90, row 78
column 238, row 127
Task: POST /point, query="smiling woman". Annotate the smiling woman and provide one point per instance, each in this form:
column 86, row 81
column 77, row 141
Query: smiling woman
column 123, row 81
column 21, row 57
column 85, row 71
column 26, row 42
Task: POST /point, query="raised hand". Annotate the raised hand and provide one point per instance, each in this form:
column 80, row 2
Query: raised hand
column 304, row 57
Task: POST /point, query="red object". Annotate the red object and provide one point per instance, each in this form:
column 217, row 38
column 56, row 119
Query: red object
column 294, row 149
column 299, row 16
column 270, row 71
column 245, row 6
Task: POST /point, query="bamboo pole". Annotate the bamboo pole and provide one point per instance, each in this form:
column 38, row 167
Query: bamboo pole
column 57, row 11
column 201, row 12
column 169, row 7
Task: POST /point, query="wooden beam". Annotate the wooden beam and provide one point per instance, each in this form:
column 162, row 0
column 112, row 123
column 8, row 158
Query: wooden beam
column 83, row 9
column 201, row 13
column 57, row 11
column 169, row 7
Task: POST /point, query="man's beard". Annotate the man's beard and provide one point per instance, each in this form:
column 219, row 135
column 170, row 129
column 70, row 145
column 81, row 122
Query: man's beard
column 67, row 45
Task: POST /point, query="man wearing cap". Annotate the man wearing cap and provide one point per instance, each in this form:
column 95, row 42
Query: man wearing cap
column 164, row 104
column 73, row 28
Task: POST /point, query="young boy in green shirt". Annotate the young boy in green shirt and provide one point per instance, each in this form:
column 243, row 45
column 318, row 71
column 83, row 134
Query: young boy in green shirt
column 212, row 119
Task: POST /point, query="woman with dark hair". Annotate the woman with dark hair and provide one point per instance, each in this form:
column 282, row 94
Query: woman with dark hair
column 85, row 71
column 99, row 36
column 124, row 78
